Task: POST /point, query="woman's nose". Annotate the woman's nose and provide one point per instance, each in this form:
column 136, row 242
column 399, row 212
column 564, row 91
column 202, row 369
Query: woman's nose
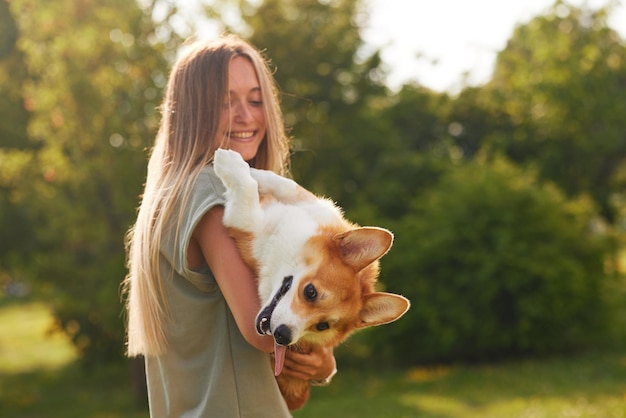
column 242, row 112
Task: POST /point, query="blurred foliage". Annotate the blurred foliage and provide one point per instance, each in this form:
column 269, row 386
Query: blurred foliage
column 497, row 253
column 497, row 265
column 90, row 79
column 560, row 85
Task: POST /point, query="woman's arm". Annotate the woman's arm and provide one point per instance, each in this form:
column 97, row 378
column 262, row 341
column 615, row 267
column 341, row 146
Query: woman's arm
column 234, row 277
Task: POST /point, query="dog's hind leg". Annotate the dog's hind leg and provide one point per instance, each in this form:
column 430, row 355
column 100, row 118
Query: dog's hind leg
column 242, row 209
column 282, row 189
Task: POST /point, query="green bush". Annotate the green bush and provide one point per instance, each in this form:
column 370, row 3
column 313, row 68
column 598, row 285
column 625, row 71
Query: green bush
column 496, row 265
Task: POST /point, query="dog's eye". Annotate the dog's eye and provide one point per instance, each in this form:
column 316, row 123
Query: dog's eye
column 322, row 326
column 310, row 293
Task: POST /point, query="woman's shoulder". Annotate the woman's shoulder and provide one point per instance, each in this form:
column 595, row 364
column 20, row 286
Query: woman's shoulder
column 205, row 192
column 207, row 182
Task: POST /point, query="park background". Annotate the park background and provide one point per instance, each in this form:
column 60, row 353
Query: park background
column 507, row 200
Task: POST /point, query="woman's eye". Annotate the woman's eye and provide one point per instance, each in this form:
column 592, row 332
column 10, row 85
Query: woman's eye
column 256, row 103
column 310, row 293
column 322, row 326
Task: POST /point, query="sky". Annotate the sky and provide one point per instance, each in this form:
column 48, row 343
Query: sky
column 438, row 43
column 445, row 44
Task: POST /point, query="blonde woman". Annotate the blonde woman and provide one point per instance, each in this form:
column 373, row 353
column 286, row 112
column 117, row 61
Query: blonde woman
column 191, row 300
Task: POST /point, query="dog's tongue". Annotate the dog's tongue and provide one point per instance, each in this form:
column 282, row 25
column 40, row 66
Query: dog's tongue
column 279, row 358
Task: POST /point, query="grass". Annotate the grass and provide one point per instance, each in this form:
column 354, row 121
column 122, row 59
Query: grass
column 585, row 385
column 28, row 341
column 39, row 378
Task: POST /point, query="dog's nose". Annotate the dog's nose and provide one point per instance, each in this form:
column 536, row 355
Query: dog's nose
column 282, row 335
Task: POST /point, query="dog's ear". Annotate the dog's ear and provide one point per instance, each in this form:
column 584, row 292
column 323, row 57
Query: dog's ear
column 361, row 246
column 381, row 308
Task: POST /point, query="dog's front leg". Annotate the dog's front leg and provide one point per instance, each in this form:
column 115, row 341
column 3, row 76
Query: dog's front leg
column 242, row 209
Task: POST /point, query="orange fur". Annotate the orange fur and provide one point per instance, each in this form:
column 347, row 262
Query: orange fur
column 344, row 306
column 341, row 307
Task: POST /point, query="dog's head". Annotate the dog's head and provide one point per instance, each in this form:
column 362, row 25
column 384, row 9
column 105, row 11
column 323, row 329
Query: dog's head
column 331, row 292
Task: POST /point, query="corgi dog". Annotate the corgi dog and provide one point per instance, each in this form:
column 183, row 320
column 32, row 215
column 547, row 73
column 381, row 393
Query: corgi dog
column 316, row 271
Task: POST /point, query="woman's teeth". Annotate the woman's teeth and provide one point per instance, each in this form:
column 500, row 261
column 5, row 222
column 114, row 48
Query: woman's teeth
column 242, row 135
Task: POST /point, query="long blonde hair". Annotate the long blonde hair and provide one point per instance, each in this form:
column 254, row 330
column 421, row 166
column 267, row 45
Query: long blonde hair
column 186, row 141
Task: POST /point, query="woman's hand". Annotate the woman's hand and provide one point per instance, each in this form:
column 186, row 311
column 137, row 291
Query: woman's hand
column 316, row 365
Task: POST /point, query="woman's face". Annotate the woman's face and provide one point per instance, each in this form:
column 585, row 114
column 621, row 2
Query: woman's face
column 242, row 121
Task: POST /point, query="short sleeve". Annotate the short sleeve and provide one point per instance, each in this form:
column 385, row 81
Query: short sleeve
column 206, row 193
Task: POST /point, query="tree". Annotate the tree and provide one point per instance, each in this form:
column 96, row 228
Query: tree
column 418, row 150
column 92, row 84
column 14, row 145
column 560, row 85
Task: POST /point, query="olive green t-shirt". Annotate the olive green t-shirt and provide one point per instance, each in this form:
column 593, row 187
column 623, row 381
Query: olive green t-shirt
column 209, row 370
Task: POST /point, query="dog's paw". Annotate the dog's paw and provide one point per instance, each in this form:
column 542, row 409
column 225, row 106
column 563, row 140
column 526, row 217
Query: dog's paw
column 230, row 166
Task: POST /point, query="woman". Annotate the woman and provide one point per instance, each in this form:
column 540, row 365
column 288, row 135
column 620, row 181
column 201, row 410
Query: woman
column 191, row 300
